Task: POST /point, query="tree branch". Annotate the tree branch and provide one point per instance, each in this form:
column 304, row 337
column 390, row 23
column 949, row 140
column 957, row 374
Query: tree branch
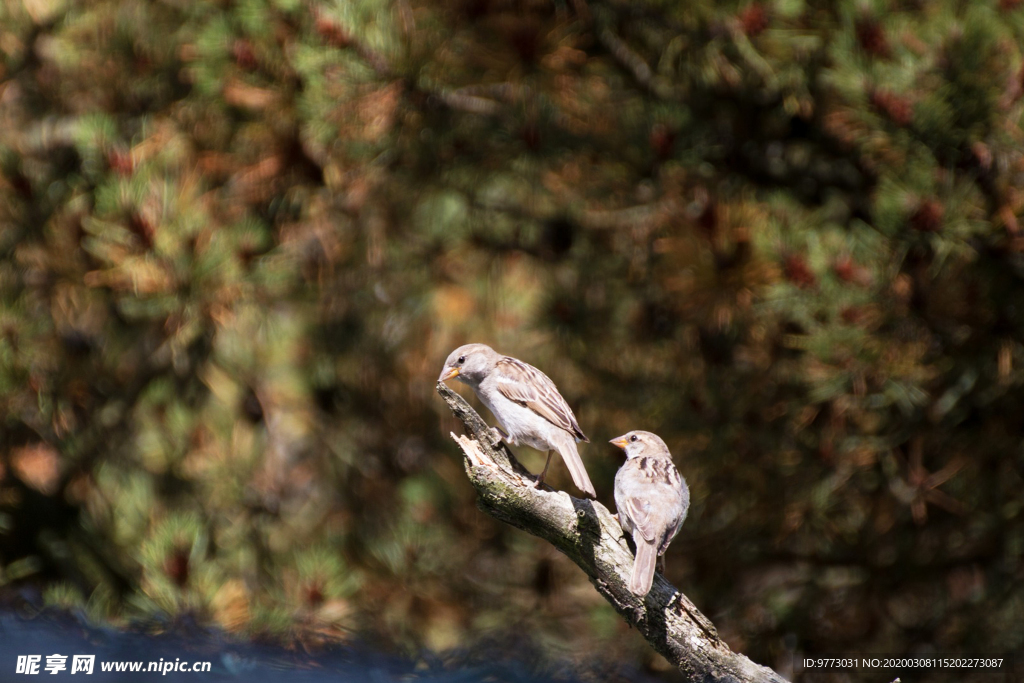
column 591, row 537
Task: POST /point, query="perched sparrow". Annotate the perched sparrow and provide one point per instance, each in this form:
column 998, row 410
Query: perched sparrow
column 652, row 499
column 526, row 403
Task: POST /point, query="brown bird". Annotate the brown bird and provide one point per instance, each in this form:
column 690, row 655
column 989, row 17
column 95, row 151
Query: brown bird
column 526, row 403
column 652, row 499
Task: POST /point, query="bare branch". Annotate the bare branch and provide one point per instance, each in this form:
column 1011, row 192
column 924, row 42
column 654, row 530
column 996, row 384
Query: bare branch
column 590, row 536
column 469, row 103
column 635, row 64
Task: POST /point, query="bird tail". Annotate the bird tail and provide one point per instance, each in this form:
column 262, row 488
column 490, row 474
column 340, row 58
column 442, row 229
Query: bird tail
column 567, row 449
column 643, row 568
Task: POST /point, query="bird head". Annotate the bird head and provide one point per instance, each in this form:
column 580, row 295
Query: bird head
column 469, row 363
column 639, row 444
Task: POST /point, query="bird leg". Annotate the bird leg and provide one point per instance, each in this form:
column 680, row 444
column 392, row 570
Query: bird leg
column 659, row 565
column 499, row 434
column 540, row 479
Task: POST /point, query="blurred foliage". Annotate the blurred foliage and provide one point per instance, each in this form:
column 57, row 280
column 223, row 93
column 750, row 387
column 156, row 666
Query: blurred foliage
column 239, row 237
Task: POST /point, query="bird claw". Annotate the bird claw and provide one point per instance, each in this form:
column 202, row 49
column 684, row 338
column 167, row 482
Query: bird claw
column 498, row 434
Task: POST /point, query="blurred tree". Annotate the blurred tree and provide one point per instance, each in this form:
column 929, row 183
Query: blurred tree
column 238, row 239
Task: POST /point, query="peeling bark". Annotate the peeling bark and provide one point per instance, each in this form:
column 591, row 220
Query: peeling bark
column 590, row 536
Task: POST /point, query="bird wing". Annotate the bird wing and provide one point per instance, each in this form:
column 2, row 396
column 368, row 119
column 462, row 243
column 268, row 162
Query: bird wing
column 684, row 499
column 639, row 511
column 528, row 386
column 670, row 534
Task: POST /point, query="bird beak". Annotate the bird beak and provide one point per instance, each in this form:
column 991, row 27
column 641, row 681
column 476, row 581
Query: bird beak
column 447, row 374
column 619, row 441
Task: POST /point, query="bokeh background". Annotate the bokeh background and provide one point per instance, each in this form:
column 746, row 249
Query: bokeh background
column 239, row 237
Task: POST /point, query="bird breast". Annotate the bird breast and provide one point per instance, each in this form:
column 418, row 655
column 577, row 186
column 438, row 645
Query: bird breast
column 522, row 425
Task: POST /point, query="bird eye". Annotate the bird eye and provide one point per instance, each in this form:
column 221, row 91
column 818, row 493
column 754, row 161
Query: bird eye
column 462, row 359
column 634, row 438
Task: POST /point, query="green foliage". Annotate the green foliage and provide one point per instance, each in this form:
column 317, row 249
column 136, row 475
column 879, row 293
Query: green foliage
column 239, row 240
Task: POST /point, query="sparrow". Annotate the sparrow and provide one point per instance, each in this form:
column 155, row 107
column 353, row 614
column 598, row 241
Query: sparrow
column 651, row 498
column 526, row 403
